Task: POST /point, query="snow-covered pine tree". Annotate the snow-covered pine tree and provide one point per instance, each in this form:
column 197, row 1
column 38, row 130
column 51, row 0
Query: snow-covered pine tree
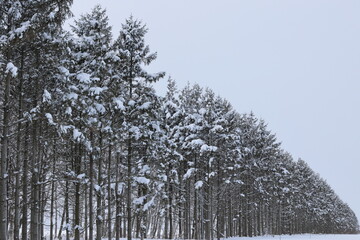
column 89, row 70
column 209, row 135
column 226, row 166
column 29, row 32
column 258, row 146
column 170, row 158
column 133, row 55
column 190, row 102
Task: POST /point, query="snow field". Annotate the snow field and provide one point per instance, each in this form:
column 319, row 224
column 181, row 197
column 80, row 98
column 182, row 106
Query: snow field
column 303, row 237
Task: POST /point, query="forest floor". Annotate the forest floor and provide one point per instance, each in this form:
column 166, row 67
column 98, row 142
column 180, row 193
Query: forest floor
column 284, row 237
column 302, row 237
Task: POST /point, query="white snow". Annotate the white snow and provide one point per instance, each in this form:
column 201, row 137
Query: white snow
column 64, row 129
column 199, row 184
column 217, row 128
column 97, row 188
column 96, row 90
column 77, row 135
column 145, row 106
column 52, row 15
column 10, row 68
column 68, row 111
column 64, row 71
column 119, row 104
column 202, row 111
column 100, row 108
column 286, row 237
column 24, row 26
column 142, row 180
column 83, row 77
column 301, row 237
column 148, row 204
column 207, row 148
column 49, row 118
column 189, row 173
column 196, row 142
column 135, row 131
column 81, row 176
column 139, row 200
column 46, row 96
column 131, row 103
column 72, row 95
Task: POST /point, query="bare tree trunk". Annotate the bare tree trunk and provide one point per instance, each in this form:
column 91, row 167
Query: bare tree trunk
column 129, row 189
column 86, row 210
column 18, row 157
column 56, row 218
column 17, row 186
column 24, row 234
column 34, row 187
column 129, row 162
column 117, row 200
column 166, row 226
column 91, row 193
column 77, row 191
column 99, row 218
column 43, row 200
column 66, row 206
column 170, row 212
column 207, row 216
column 62, row 220
column 109, row 193
column 4, row 155
column 52, row 194
column 195, row 230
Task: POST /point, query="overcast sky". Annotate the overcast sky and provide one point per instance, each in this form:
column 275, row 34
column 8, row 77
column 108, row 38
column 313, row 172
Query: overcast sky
column 295, row 64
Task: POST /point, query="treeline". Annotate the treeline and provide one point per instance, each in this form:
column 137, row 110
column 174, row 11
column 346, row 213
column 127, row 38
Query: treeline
column 88, row 150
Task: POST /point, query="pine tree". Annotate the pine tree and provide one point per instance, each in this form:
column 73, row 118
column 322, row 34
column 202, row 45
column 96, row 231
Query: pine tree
column 89, row 74
column 170, row 157
column 133, row 54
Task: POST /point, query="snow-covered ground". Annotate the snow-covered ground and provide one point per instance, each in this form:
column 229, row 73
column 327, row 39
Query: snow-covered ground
column 302, row 237
column 283, row 237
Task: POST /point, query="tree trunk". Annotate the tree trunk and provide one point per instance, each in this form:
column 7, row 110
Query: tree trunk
column 3, row 163
column 170, row 212
column 86, row 210
column 91, row 192
column 109, row 193
column 129, row 189
column 62, row 221
column 77, row 166
column 24, row 234
column 34, row 229
column 99, row 218
column 18, row 157
column 117, row 200
column 66, row 206
column 52, row 194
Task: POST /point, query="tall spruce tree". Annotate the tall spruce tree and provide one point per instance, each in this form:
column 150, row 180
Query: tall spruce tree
column 90, row 71
column 133, row 55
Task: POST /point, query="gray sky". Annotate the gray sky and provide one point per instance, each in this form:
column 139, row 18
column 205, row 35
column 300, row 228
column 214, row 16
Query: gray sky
column 295, row 64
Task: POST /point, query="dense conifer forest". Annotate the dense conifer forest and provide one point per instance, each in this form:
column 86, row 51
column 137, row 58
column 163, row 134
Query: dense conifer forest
column 90, row 151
